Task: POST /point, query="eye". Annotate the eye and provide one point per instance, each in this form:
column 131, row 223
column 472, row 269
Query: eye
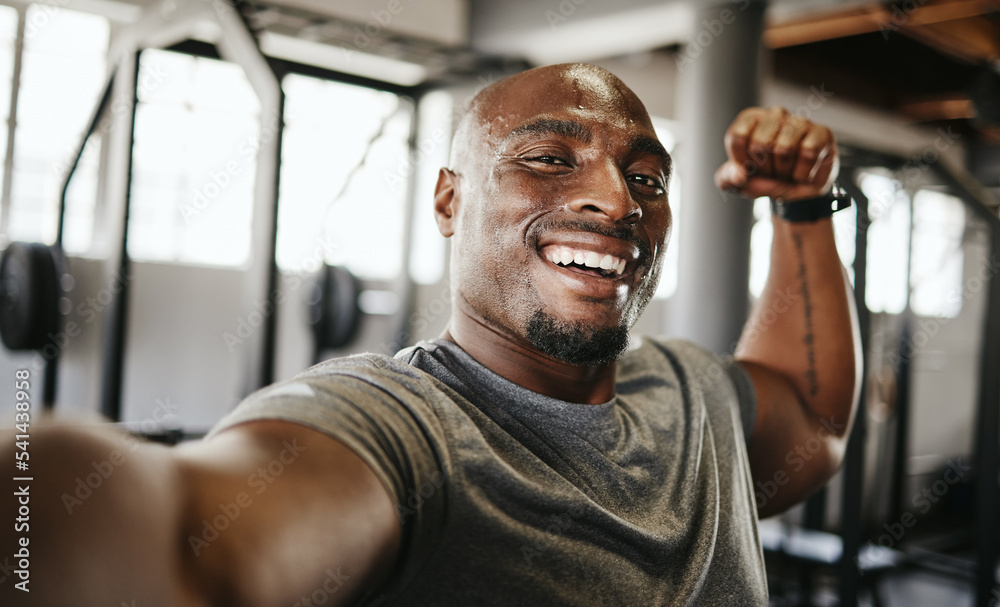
column 547, row 159
column 645, row 181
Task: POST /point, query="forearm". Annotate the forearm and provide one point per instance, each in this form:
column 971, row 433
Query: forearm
column 804, row 326
column 245, row 518
column 279, row 513
column 103, row 523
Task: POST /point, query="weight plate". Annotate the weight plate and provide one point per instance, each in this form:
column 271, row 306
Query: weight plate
column 334, row 309
column 29, row 294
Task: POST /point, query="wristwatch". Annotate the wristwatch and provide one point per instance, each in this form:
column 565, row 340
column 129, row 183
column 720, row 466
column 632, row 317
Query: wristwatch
column 812, row 209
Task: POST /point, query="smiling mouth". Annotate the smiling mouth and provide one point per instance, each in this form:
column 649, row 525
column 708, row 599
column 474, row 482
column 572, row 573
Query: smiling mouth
column 585, row 261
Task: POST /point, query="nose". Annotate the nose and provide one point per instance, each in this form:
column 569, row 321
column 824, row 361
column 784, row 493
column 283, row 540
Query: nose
column 605, row 192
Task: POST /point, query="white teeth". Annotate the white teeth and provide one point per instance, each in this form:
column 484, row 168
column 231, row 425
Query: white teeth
column 591, row 259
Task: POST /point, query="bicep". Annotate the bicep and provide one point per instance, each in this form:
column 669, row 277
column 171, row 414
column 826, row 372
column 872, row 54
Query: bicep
column 276, row 511
column 792, row 453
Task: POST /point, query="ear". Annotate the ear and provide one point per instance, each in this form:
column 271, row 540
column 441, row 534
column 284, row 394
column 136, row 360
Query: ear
column 446, row 201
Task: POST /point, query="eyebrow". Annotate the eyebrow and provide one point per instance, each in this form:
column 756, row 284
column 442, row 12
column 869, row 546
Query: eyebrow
column 545, row 126
column 649, row 145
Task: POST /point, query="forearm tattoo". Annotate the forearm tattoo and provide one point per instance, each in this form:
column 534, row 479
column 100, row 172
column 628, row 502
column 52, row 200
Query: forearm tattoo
column 809, row 338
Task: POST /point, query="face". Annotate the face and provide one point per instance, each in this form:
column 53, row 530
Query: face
column 558, row 210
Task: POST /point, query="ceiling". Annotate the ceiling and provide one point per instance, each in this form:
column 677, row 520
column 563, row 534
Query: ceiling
column 931, row 61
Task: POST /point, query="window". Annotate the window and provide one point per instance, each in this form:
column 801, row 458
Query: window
column 762, row 233
column 8, row 48
column 427, row 254
column 937, row 264
column 63, row 70
column 888, row 242
column 931, row 255
column 344, row 169
column 760, row 245
column 195, row 155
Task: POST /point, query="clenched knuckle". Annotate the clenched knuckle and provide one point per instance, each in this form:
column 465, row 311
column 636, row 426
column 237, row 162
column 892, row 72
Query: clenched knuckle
column 810, row 152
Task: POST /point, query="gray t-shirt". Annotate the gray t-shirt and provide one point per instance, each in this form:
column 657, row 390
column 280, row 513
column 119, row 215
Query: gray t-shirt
column 509, row 497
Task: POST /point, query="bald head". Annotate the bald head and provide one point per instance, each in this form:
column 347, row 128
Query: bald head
column 535, row 92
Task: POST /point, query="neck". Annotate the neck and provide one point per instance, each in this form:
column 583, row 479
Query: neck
column 517, row 361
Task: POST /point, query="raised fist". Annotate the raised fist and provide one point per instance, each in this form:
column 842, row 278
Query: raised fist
column 778, row 154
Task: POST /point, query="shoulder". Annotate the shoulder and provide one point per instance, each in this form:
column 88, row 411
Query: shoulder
column 361, row 366
column 692, row 364
column 362, row 376
column 362, row 391
column 720, row 382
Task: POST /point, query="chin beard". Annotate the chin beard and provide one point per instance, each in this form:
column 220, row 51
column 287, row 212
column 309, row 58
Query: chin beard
column 576, row 343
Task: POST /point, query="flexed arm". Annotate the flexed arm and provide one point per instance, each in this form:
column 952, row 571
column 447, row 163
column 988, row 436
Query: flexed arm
column 801, row 343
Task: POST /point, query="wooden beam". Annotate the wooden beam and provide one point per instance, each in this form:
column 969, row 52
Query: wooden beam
column 828, row 26
column 990, row 134
column 955, row 107
column 974, row 40
column 945, row 10
column 872, row 18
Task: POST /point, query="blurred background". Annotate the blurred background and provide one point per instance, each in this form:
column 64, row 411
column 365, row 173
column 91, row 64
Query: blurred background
column 223, row 194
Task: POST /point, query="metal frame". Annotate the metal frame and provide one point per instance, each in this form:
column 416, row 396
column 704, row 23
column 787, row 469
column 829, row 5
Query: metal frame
column 235, row 43
column 413, row 95
column 987, row 437
column 854, row 458
column 8, row 165
column 121, row 140
column 987, row 430
column 52, row 365
column 238, row 44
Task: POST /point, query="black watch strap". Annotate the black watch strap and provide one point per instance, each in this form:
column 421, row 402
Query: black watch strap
column 812, row 209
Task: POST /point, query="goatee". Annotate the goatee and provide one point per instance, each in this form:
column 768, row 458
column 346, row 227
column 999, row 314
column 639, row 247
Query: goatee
column 576, row 343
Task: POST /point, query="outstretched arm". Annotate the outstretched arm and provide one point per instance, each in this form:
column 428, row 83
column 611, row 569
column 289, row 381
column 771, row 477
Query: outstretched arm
column 800, row 344
column 264, row 513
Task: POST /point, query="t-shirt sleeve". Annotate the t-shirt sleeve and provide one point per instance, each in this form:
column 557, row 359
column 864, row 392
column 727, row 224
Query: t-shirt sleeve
column 384, row 416
column 721, row 376
column 746, row 394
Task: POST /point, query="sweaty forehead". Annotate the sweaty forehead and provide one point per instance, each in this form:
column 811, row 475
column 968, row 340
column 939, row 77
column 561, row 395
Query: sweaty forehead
column 584, row 90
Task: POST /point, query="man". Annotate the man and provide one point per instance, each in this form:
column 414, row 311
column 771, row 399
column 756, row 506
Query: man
column 530, row 456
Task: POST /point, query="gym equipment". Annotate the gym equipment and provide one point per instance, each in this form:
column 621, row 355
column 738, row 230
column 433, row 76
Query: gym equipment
column 30, row 288
column 233, row 40
column 34, row 278
column 860, row 563
column 333, row 307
